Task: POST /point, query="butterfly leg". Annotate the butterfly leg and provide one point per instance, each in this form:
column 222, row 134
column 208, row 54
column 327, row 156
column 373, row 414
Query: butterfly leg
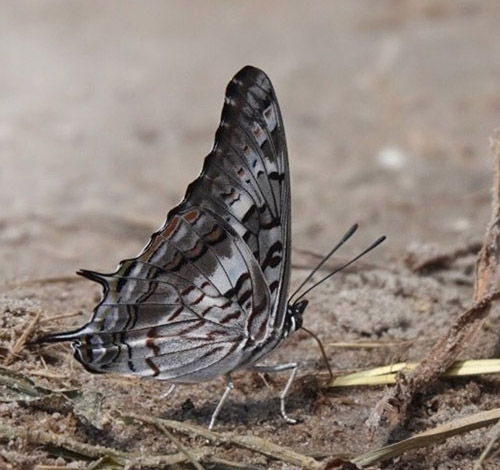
column 229, row 387
column 293, row 366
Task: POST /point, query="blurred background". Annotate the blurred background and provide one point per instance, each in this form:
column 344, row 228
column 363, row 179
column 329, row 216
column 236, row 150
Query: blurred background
column 108, row 109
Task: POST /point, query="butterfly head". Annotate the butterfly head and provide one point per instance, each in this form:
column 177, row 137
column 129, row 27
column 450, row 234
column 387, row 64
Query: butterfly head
column 295, row 312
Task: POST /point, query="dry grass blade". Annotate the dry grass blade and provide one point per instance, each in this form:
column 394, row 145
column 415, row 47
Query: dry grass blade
column 391, row 411
column 253, row 443
column 495, row 436
column 189, row 455
column 430, row 437
column 47, row 375
column 21, row 341
column 177, row 426
column 388, row 374
column 101, row 464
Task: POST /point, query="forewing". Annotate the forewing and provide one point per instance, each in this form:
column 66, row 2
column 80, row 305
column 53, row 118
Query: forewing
column 245, row 179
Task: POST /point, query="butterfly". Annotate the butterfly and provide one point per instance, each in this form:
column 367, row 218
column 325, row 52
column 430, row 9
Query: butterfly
column 208, row 294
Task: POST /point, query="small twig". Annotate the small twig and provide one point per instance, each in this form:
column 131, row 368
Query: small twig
column 254, row 443
column 96, row 463
column 495, row 436
column 44, row 364
column 60, row 317
column 47, row 375
column 21, row 341
column 179, row 445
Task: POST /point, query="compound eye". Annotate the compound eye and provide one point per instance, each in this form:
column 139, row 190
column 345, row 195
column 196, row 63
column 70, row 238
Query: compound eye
column 299, row 307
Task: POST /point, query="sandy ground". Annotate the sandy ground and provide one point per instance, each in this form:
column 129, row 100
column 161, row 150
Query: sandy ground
column 107, row 110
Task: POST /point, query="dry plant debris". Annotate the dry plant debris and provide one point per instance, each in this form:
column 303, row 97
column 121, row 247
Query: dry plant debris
column 391, row 412
column 107, row 457
column 21, row 341
column 386, row 375
column 430, row 437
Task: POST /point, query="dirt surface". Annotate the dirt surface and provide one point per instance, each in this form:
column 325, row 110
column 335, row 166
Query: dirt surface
column 107, row 110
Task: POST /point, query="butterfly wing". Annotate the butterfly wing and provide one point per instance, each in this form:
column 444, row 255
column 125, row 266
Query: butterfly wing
column 246, row 180
column 212, row 282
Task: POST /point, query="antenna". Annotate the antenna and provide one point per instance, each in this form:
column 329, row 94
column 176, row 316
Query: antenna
column 346, row 237
column 364, row 252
